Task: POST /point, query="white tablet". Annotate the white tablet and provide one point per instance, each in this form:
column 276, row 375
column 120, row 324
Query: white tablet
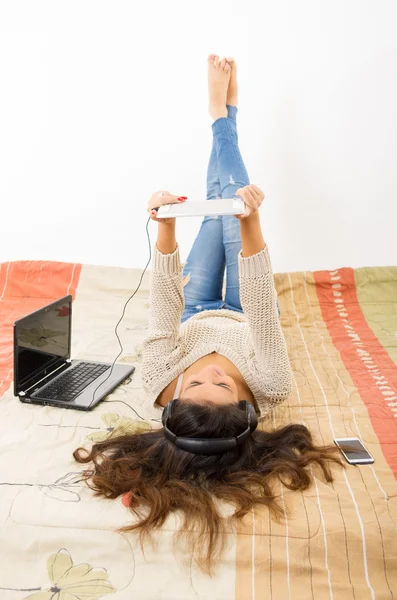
column 202, row 208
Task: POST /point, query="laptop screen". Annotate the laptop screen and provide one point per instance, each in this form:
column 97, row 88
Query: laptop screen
column 42, row 340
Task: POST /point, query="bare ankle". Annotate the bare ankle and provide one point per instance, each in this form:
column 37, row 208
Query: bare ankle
column 217, row 112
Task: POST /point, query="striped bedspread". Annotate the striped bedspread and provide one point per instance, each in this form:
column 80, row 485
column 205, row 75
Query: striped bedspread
column 339, row 539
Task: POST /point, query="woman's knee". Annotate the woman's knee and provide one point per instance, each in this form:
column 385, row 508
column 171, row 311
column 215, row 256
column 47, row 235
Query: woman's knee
column 229, row 191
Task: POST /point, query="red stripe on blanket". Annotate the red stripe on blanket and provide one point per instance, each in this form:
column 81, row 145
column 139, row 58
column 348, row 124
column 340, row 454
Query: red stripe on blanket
column 369, row 365
column 26, row 286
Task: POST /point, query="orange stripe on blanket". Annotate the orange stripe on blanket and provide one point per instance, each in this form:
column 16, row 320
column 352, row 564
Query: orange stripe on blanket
column 26, row 286
column 372, row 370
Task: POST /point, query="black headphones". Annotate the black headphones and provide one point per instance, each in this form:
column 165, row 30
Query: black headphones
column 209, row 446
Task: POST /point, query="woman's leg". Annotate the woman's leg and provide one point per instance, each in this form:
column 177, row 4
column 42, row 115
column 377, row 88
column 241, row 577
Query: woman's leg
column 232, row 176
column 205, row 265
column 218, row 240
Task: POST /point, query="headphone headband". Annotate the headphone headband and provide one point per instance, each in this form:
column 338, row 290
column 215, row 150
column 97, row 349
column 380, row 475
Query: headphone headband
column 208, row 446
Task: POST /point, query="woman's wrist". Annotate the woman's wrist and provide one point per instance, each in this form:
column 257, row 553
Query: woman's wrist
column 252, row 240
column 166, row 240
column 166, row 224
column 252, row 217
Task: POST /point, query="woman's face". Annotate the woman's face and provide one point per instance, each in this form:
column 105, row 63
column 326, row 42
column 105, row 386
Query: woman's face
column 210, row 384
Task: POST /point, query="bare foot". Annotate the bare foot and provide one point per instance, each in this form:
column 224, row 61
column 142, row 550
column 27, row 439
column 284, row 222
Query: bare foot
column 218, row 82
column 232, row 91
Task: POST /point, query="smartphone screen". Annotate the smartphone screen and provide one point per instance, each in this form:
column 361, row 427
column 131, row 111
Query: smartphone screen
column 358, row 452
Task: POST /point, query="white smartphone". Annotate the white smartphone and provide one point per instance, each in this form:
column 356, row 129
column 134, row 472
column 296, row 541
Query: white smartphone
column 354, row 451
column 202, row 208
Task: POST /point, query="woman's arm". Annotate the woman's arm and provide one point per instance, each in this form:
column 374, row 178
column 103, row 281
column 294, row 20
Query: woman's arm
column 258, row 298
column 166, row 290
column 252, row 240
column 250, row 226
column 166, row 299
column 166, row 240
column 166, row 302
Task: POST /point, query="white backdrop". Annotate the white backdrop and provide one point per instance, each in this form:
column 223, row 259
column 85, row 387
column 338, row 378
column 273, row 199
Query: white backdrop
column 103, row 103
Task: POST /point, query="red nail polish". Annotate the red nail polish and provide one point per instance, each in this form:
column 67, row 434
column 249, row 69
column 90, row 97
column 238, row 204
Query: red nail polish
column 180, row 198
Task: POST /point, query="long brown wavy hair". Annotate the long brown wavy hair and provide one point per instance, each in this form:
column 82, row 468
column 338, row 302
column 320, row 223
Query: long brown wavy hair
column 162, row 478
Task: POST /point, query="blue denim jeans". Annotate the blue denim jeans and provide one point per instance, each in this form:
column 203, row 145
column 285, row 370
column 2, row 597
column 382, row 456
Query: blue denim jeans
column 218, row 241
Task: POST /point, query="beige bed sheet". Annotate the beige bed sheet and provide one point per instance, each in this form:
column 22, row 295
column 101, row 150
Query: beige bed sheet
column 57, row 541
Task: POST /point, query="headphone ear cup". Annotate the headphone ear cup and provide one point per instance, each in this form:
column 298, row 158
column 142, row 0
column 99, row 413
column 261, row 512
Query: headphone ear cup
column 253, row 416
column 166, row 412
column 251, row 413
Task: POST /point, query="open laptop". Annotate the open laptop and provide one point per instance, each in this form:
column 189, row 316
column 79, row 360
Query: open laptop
column 43, row 370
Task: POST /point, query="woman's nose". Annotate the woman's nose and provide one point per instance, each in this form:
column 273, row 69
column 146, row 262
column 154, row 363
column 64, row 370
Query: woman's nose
column 212, row 372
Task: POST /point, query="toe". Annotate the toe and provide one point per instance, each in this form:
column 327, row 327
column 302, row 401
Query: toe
column 211, row 58
column 222, row 63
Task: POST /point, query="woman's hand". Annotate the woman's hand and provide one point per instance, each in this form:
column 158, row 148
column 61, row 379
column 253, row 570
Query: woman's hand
column 160, row 198
column 252, row 197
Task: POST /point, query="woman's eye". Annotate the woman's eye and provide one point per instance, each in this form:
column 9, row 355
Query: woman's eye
column 221, row 384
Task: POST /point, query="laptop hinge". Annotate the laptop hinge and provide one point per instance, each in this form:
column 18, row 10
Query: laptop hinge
column 40, row 383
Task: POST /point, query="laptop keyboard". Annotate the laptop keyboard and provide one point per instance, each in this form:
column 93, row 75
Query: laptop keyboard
column 73, row 381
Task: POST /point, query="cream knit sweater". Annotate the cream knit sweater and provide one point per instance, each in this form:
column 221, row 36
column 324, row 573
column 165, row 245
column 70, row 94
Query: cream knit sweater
column 254, row 341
